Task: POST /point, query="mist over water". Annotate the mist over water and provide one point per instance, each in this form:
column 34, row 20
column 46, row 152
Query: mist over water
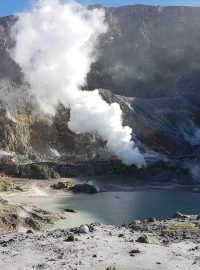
column 55, row 47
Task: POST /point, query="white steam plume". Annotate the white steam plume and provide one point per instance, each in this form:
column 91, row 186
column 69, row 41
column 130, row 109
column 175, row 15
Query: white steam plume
column 55, row 47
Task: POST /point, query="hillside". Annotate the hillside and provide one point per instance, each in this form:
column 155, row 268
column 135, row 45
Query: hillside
column 150, row 54
column 149, row 51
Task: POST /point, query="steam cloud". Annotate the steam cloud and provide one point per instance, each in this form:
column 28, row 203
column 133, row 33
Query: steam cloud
column 55, row 47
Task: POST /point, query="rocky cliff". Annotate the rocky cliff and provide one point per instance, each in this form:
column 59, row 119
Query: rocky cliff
column 149, row 51
column 150, row 54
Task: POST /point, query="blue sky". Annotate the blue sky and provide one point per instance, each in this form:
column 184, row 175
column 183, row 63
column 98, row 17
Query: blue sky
column 8, row 7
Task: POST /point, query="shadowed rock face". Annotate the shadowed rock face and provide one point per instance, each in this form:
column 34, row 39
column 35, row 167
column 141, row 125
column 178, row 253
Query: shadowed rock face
column 166, row 125
column 149, row 51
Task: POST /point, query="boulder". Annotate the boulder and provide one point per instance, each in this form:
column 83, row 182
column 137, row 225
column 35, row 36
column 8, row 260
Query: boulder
column 83, row 229
column 143, row 239
column 70, row 238
column 136, row 222
column 59, row 185
column 78, row 188
column 84, row 188
column 63, row 185
column 134, row 251
column 69, row 210
column 151, row 219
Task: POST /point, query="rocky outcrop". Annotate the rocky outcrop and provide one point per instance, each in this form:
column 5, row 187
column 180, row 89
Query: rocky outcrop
column 6, row 184
column 84, row 188
column 63, row 185
column 17, row 217
column 31, row 171
column 77, row 188
column 113, row 171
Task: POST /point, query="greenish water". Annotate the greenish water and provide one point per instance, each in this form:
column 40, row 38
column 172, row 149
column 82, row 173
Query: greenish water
column 121, row 207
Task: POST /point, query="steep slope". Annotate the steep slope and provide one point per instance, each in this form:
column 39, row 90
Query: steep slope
column 150, row 53
column 166, row 125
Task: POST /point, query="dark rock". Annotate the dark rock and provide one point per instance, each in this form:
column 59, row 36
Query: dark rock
column 195, row 248
column 63, row 185
column 29, row 231
column 19, row 188
column 84, row 188
column 134, row 251
column 78, row 188
column 69, row 210
column 151, row 219
column 91, row 227
column 3, row 243
column 60, row 185
column 31, row 171
column 70, row 238
column 143, row 239
column 41, row 266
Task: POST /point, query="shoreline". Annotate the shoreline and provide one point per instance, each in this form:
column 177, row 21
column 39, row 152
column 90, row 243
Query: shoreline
column 172, row 243
column 40, row 194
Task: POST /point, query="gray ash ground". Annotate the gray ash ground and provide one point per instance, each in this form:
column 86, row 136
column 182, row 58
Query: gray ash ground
column 166, row 244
